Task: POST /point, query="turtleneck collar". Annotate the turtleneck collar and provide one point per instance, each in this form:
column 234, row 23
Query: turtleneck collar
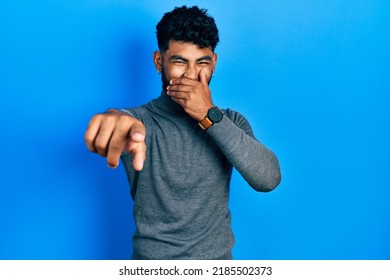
column 166, row 106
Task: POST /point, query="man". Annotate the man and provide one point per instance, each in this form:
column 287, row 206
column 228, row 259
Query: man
column 179, row 149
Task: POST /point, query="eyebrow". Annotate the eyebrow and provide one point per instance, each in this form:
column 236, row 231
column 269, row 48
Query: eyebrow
column 178, row 57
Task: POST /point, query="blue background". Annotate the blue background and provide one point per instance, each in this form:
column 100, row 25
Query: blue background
column 312, row 77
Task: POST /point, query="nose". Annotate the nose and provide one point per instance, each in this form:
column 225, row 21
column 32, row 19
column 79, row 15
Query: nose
column 192, row 72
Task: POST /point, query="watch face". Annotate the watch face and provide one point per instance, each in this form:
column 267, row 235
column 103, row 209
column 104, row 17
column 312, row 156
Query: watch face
column 215, row 114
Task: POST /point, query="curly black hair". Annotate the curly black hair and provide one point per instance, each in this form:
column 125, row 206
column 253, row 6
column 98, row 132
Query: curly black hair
column 190, row 25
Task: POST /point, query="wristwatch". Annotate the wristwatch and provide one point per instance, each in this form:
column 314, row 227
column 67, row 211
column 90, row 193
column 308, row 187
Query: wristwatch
column 214, row 115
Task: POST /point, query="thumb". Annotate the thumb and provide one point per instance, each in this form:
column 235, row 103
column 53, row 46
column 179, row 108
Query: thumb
column 203, row 77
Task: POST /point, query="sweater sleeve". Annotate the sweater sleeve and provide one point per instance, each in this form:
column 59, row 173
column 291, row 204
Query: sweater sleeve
column 255, row 162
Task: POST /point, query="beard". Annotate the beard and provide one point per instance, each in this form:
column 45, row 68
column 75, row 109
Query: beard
column 165, row 81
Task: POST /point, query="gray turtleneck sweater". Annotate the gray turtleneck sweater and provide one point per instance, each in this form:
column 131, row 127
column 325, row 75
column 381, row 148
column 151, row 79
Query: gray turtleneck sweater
column 181, row 195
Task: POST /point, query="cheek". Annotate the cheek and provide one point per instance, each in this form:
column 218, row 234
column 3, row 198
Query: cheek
column 208, row 71
column 174, row 72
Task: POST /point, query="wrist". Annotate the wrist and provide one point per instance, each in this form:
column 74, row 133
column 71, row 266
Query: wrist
column 214, row 115
column 201, row 113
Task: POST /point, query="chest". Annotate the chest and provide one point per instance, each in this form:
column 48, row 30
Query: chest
column 178, row 144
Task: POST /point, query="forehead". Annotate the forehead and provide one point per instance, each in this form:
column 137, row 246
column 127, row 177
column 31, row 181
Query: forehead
column 187, row 50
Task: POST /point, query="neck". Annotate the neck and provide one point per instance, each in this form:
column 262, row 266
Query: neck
column 166, row 105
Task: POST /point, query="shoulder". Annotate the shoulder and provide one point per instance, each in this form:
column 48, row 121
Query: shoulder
column 141, row 113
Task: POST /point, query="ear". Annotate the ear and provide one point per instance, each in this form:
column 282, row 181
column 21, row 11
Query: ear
column 157, row 59
column 215, row 57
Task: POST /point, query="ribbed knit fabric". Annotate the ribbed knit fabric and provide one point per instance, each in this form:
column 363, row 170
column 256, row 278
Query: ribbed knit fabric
column 181, row 195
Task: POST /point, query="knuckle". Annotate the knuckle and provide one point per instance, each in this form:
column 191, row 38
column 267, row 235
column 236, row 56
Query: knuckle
column 89, row 140
column 87, row 137
column 96, row 117
column 123, row 121
column 123, row 117
column 100, row 147
column 116, row 146
column 92, row 148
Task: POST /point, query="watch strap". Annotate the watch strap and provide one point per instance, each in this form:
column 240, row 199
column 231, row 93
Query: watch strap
column 214, row 115
column 205, row 123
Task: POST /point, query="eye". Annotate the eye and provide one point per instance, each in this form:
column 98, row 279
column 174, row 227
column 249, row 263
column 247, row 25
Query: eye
column 179, row 62
column 204, row 63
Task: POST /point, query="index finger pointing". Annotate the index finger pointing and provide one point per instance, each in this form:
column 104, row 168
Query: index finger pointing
column 124, row 136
